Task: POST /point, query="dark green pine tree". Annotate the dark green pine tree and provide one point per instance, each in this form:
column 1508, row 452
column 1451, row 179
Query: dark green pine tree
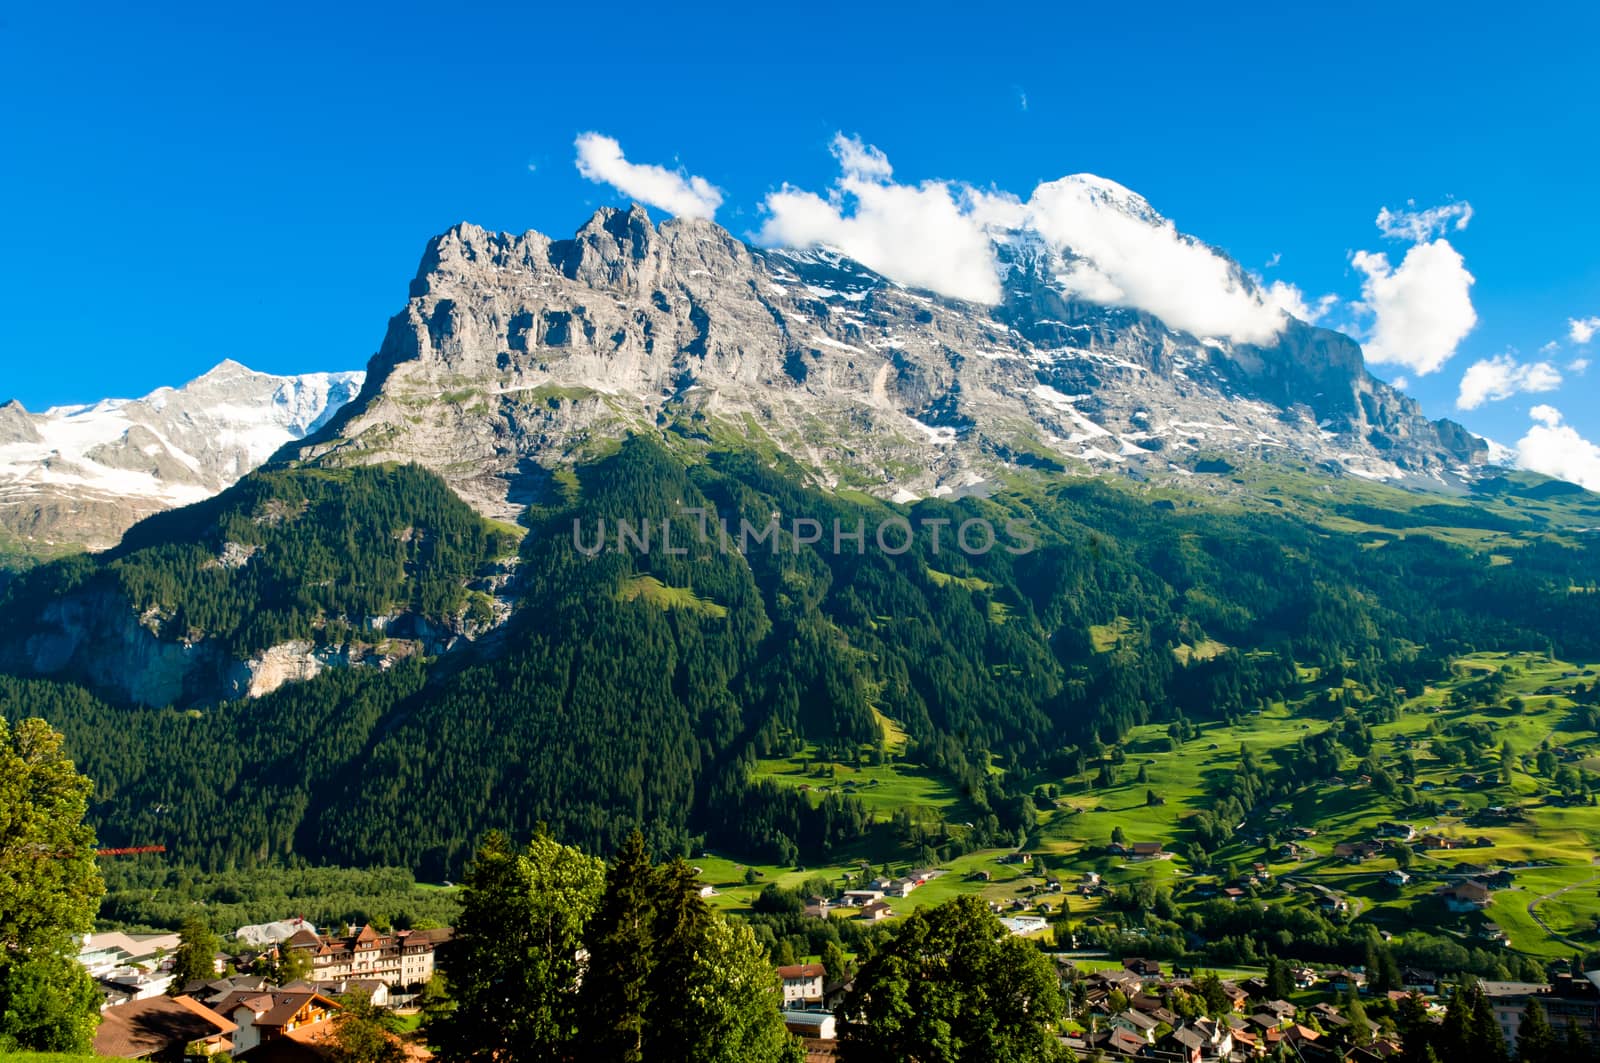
column 680, row 917
column 1536, row 1040
column 614, row 999
column 195, row 960
column 1278, row 983
column 1486, row 1041
column 1575, row 1047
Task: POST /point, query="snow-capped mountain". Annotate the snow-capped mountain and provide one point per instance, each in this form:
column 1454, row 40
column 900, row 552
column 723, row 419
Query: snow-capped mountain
column 81, row 475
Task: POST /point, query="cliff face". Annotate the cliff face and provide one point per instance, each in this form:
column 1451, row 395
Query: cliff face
column 515, row 354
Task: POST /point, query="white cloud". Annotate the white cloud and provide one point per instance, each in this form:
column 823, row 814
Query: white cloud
column 1582, row 329
column 1419, row 226
column 1131, row 256
column 1578, row 365
column 1118, row 251
column 1291, row 300
column 861, row 160
column 1422, row 309
column 600, row 159
column 1500, row 377
column 1556, row 449
column 1400, row 383
column 1550, row 348
column 931, row 235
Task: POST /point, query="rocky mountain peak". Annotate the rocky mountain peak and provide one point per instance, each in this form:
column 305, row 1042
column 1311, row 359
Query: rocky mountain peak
column 527, row 352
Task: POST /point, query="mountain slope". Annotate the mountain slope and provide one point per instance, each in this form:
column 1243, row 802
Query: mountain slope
column 80, row 476
column 640, row 689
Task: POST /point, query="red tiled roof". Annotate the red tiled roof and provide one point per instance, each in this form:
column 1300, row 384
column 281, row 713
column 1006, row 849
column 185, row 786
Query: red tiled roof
column 802, row 970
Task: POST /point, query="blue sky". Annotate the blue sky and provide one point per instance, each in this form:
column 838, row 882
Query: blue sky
column 257, row 183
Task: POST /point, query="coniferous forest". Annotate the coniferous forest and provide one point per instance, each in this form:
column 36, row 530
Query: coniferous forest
column 635, row 691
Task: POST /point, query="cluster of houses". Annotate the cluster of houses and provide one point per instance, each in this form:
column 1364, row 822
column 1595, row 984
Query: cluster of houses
column 132, row 967
column 869, row 902
column 1129, row 1014
column 145, row 1017
column 241, row 1016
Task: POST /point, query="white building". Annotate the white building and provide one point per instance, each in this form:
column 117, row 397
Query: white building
column 802, row 984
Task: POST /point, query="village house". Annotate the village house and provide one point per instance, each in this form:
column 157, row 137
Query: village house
column 1435, row 842
column 873, row 911
column 275, row 1013
column 811, row 1025
column 1186, row 1044
column 1145, row 969
column 100, row 954
column 162, row 1028
column 802, row 984
column 1139, row 1024
column 1345, row 981
column 1469, row 896
column 1357, row 852
column 1417, row 980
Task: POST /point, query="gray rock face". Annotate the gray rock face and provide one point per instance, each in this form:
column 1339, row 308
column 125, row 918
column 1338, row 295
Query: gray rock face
column 517, row 353
column 82, row 475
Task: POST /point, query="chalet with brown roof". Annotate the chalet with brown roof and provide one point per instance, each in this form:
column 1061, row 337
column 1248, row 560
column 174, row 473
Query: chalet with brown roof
column 161, row 1028
column 1466, row 896
column 1439, row 841
column 1185, row 1043
column 1281, row 1008
column 1142, row 967
column 265, row 1016
column 873, row 911
column 1119, row 1041
column 1357, row 852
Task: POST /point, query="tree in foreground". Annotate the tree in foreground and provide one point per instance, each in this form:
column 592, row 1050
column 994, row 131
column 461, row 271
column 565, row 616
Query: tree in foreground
column 555, row 958
column 363, row 1032
column 195, row 960
column 49, row 891
column 1536, row 1039
column 513, row 964
column 954, row 985
column 669, row 979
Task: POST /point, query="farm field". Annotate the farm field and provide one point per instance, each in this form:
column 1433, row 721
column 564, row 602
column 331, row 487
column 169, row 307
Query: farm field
column 1160, row 785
